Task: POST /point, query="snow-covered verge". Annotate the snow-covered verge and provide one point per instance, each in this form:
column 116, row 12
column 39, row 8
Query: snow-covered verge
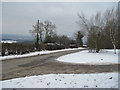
column 36, row 53
column 105, row 57
column 97, row 80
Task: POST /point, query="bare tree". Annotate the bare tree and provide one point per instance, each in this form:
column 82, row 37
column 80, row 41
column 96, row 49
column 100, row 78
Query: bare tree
column 95, row 37
column 43, row 31
column 93, row 27
column 111, row 17
column 83, row 23
column 49, row 29
column 38, row 32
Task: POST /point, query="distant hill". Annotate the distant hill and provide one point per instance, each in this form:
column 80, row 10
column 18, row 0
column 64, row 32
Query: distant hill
column 18, row 38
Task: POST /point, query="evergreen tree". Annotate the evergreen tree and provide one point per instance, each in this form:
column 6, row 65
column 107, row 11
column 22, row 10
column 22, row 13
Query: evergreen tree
column 79, row 37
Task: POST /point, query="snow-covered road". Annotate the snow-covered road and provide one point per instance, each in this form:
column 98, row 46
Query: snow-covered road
column 37, row 53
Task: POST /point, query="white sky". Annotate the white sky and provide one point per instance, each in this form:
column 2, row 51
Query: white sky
column 18, row 17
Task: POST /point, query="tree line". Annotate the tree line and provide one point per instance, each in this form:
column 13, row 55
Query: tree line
column 45, row 33
column 101, row 29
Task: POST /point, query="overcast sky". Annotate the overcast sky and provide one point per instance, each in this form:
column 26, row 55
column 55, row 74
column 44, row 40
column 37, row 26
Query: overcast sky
column 18, row 18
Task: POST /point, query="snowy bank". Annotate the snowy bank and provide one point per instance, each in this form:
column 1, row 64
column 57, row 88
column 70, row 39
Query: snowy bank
column 105, row 57
column 36, row 53
column 98, row 80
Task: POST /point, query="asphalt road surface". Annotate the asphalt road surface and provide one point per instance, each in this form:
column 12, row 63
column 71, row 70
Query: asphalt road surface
column 46, row 64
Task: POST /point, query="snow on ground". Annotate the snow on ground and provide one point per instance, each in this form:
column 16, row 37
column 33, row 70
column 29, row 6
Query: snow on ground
column 84, row 57
column 8, row 41
column 97, row 80
column 36, row 53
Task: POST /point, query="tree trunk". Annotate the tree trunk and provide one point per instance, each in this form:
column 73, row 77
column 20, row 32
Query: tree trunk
column 97, row 49
column 114, row 49
column 37, row 42
column 37, row 36
column 97, row 45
